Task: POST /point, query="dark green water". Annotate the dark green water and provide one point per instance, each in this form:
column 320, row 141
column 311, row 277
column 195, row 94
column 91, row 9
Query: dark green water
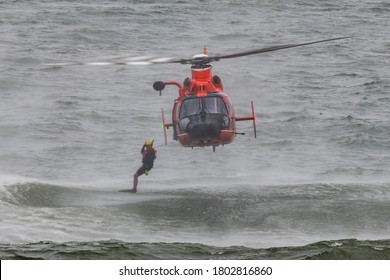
column 348, row 249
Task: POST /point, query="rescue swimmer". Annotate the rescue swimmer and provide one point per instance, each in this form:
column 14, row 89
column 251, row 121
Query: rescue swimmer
column 148, row 157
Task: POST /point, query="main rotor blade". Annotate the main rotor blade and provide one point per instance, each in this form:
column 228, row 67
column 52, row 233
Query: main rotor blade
column 274, row 48
column 204, row 60
column 128, row 60
column 197, row 61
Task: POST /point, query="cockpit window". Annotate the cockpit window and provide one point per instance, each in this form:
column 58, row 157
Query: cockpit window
column 210, row 104
column 190, row 106
column 215, row 105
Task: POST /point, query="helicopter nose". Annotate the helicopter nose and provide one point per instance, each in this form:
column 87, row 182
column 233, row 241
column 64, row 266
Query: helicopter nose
column 204, row 129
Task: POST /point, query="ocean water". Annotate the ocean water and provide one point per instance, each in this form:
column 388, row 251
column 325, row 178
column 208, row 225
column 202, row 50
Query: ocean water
column 315, row 184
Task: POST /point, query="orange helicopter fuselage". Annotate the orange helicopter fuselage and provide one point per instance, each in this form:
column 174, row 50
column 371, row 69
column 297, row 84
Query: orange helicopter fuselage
column 203, row 115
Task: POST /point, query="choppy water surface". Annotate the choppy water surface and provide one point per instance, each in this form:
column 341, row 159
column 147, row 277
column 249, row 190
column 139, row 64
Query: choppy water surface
column 314, row 185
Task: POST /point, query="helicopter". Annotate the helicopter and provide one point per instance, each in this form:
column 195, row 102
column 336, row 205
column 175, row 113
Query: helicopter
column 202, row 114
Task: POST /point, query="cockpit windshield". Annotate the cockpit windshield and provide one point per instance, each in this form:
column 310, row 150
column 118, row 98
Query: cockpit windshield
column 209, row 104
column 215, row 105
column 190, row 107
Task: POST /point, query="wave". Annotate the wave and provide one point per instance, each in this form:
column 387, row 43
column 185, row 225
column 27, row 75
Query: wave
column 344, row 249
column 40, row 194
column 37, row 194
column 234, row 213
